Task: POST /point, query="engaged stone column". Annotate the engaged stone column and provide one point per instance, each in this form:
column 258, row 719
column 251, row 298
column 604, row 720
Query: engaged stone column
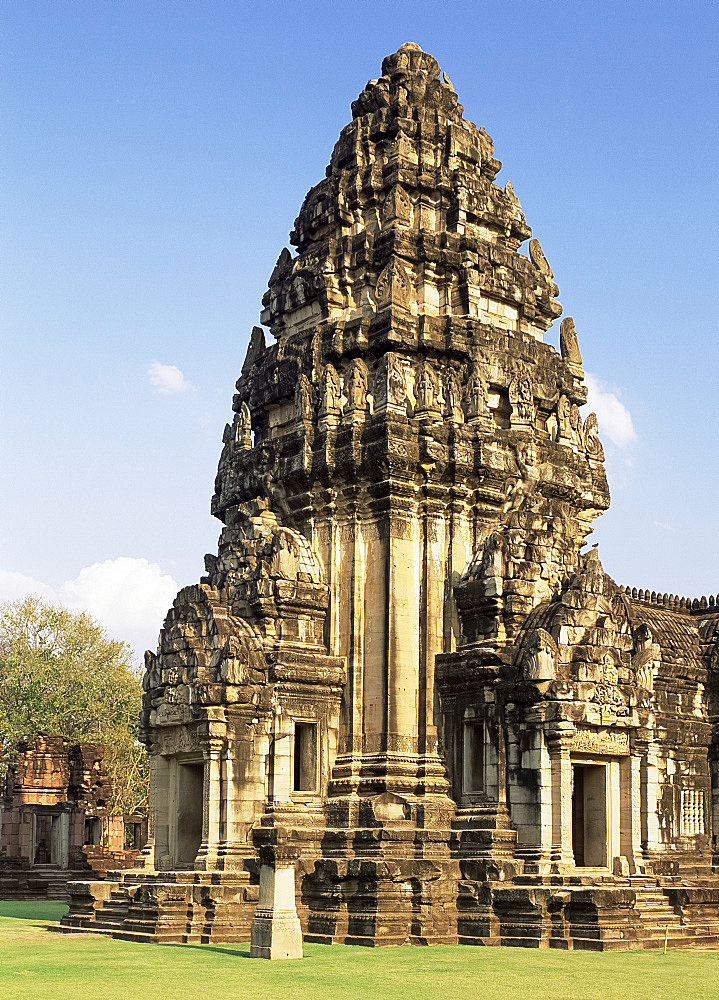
column 631, row 811
column 160, row 811
column 211, row 804
column 560, row 737
column 651, row 834
column 276, row 931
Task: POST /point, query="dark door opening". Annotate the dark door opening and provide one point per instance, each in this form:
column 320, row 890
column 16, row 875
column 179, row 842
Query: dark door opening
column 190, row 779
column 589, row 815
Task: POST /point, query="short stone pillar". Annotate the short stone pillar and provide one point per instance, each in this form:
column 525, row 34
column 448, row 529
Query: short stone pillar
column 276, row 930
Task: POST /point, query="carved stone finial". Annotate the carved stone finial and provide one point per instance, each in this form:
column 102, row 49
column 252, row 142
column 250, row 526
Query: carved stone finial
column 538, row 258
column 568, row 344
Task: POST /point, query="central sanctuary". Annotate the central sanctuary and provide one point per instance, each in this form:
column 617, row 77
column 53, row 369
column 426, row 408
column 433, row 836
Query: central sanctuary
column 404, row 683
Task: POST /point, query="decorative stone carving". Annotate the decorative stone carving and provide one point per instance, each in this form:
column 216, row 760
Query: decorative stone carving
column 397, row 206
column 476, row 396
column 590, row 433
column 564, row 425
column 390, row 389
column 601, row 742
column 539, row 662
column 393, row 286
column 521, row 397
column 575, row 425
column 243, row 427
column 538, row 258
column 255, row 349
column 529, row 468
column 331, row 392
column 607, row 692
column 356, row 387
column 568, row 343
column 303, row 400
column 453, row 397
column 646, row 659
column 427, row 390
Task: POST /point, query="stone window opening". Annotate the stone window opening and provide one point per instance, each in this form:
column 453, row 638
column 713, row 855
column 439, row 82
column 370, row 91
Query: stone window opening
column 93, row 832
column 305, row 757
column 473, row 759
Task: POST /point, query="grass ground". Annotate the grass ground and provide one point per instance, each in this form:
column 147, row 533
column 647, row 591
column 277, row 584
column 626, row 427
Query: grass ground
column 37, row 964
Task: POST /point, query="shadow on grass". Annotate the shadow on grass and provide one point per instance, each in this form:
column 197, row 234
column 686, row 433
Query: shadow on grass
column 228, row 950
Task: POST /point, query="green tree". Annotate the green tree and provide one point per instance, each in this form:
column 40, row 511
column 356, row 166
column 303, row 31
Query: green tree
column 60, row 674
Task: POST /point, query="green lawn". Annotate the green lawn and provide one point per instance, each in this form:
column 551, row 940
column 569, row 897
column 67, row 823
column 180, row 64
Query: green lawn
column 44, row 966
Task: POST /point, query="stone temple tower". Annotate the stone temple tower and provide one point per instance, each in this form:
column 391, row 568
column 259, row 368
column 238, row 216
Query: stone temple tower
column 367, row 682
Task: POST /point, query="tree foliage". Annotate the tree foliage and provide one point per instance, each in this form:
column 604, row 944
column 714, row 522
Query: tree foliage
column 60, row 674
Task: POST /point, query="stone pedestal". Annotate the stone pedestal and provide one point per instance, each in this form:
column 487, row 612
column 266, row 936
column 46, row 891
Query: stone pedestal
column 276, row 931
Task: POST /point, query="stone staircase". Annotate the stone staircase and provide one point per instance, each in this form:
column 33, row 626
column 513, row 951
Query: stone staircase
column 164, row 907
column 37, row 882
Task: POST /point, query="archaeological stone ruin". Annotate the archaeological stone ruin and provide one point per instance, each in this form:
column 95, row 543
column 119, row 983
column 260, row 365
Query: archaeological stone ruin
column 406, row 704
column 56, row 824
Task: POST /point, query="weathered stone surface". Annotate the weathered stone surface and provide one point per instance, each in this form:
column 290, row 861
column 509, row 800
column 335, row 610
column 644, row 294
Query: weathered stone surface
column 406, row 488
column 55, row 824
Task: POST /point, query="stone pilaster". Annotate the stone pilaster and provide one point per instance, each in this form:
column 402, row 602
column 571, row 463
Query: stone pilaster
column 207, row 855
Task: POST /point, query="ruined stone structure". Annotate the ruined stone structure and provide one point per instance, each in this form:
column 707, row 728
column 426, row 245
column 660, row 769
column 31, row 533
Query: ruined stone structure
column 403, row 674
column 55, row 824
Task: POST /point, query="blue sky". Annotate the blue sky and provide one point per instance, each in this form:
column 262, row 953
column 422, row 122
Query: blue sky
column 154, row 157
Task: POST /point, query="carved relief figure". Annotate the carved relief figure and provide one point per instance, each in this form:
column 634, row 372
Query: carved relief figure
column 575, row 424
column 389, row 383
column 356, row 383
column 564, row 424
column 396, row 385
column 529, row 469
column 521, row 396
column 646, row 658
column 475, row 396
column 303, row 399
column 427, row 389
column 331, row 392
column 453, row 397
column 243, row 427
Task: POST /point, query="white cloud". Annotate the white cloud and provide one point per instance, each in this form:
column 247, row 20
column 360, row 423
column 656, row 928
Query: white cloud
column 663, row 525
column 614, row 419
column 167, row 379
column 128, row 597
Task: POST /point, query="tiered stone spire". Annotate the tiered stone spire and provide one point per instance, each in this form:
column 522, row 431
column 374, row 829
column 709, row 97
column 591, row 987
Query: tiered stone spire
column 409, row 407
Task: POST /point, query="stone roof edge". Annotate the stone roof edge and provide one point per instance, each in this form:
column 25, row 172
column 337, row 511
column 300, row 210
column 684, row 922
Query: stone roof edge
column 672, row 602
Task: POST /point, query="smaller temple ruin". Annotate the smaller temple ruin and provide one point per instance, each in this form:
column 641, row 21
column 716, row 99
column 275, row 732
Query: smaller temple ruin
column 55, row 822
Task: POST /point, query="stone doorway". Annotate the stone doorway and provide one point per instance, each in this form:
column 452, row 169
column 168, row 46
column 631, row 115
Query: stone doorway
column 50, row 839
column 590, row 826
column 188, row 815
